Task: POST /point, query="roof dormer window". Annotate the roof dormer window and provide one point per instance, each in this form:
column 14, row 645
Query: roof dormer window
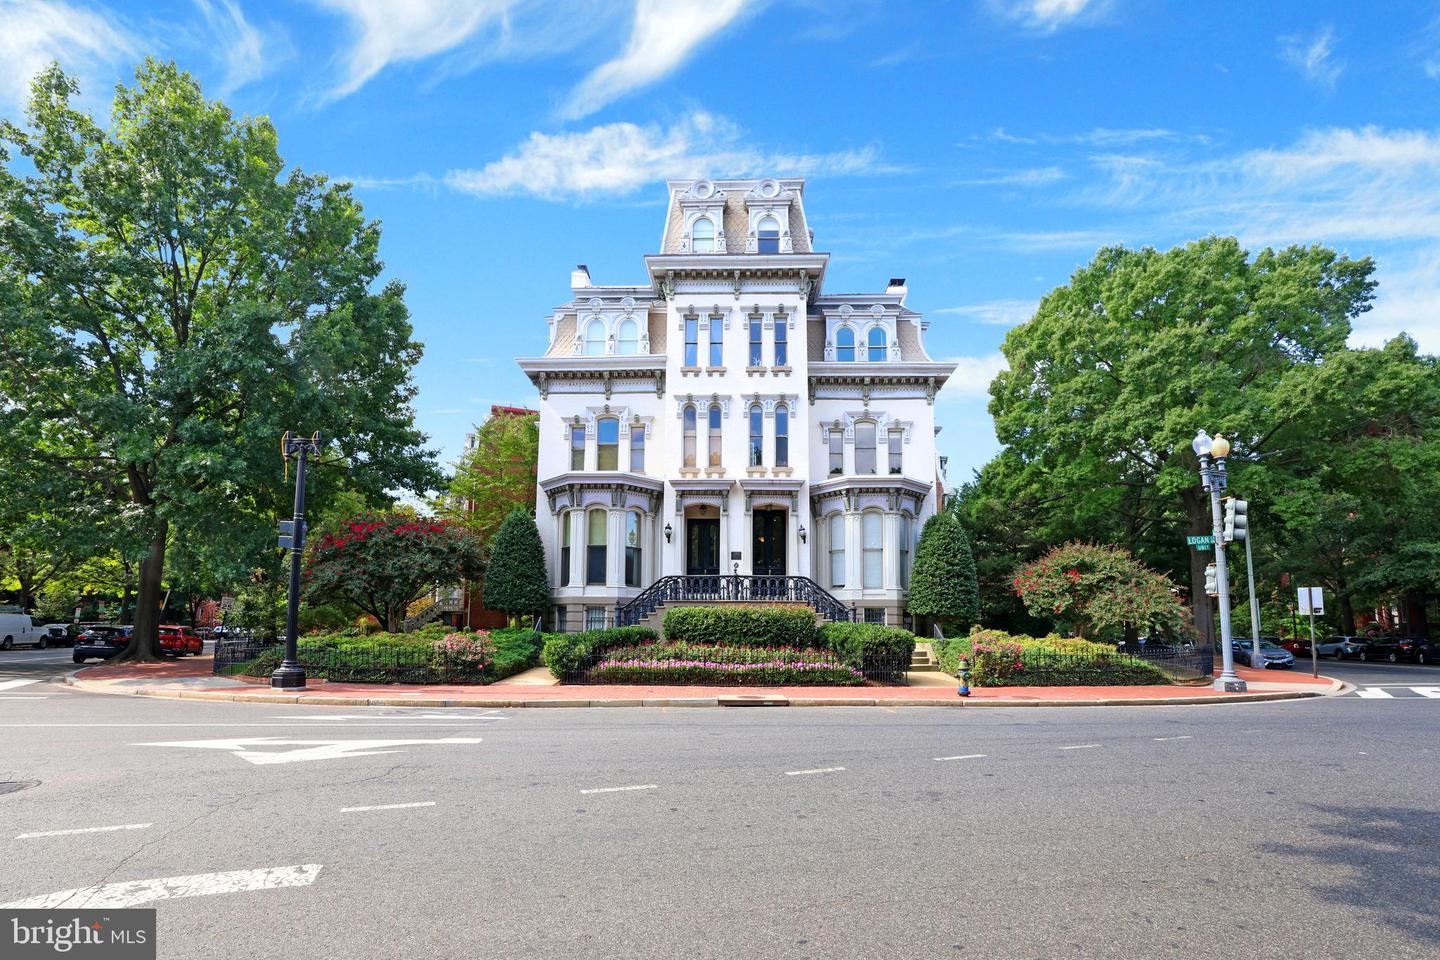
column 767, row 236
column 702, row 235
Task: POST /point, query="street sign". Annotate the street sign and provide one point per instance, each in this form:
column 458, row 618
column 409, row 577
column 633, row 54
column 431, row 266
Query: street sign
column 1207, row 540
column 286, row 540
column 1312, row 600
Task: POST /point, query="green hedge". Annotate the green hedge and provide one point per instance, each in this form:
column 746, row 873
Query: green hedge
column 742, row 625
column 999, row 659
column 567, row 653
column 867, row 645
column 350, row 657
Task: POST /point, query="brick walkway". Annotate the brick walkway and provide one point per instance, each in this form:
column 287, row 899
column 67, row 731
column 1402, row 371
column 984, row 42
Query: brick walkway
column 192, row 679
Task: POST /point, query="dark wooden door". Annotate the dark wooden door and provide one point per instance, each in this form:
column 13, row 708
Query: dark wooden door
column 768, row 542
column 702, row 547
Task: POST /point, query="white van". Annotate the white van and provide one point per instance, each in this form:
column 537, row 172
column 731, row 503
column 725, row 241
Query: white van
column 18, row 628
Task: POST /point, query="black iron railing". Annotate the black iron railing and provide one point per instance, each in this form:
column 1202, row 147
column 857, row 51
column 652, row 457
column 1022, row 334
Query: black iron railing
column 732, row 587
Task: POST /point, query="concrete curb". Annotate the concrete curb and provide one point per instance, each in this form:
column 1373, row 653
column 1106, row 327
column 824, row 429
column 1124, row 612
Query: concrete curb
column 515, row 703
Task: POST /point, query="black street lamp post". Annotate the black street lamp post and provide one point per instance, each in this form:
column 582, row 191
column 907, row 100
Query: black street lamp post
column 290, row 675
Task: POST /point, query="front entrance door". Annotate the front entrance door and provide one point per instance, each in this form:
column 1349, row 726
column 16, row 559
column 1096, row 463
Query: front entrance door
column 702, row 547
column 768, row 542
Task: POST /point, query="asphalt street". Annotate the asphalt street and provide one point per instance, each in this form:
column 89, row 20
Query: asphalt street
column 1299, row 829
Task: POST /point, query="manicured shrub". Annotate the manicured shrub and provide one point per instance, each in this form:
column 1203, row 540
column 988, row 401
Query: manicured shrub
column 516, row 581
column 434, row 654
column 999, row 659
column 868, row 645
column 743, row 625
column 943, row 583
column 516, row 649
column 568, row 653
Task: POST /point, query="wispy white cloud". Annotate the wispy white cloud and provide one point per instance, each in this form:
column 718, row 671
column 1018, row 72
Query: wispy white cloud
column 1037, row 177
column 619, row 158
column 240, row 46
column 88, row 44
column 1313, row 55
column 1097, row 137
column 972, row 377
column 1046, row 15
column 663, row 36
column 1000, row 313
column 397, row 31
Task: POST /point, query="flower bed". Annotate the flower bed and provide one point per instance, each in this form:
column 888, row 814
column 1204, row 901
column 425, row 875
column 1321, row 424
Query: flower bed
column 999, row 659
column 722, row 665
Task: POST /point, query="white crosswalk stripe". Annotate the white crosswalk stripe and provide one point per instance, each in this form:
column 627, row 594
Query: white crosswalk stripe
column 1374, row 693
column 12, row 684
column 1395, row 691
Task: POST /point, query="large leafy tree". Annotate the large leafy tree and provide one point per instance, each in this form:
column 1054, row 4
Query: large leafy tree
column 173, row 301
column 497, row 475
column 1108, row 382
column 516, row 581
column 381, row 562
column 942, row 583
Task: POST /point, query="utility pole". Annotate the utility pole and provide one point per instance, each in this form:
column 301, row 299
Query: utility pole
column 290, row 675
column 1213, row 480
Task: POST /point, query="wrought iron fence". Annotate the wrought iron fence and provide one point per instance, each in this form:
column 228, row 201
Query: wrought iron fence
column 1178, row 661
column 733, row 587
column 663, row 665
column 358, row 661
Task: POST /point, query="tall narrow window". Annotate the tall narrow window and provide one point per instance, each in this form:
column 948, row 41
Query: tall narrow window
column 607, row 432
column 594, row 338
column 577, row 446
column 717, row 342
column 837, row 452
column 782, row 436
column 877, row 344
column 897, row 442
column 757, row 435
column 757, row 342
column 637, row 448
column 837, row 549
column 565, row 547
column 632, row 549
column 689, row 431
column 845, row 344
column 782, row 343
column 714, row 437
column 692, row 342
column 628, row 342
column 872, row 526
column 906, row 532
column 767, row 236
column 702, row 235
column 865, row 447
column 595, row 547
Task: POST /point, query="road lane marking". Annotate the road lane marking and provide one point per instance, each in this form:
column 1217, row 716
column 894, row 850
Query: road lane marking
column 308, row 749
column 12, row 684
column 63, row 833
column 643, row 786
column 1163, row 739
column 388, row 806
column 463, row 717
column 797, row 773
column 1374, row 693
column 25, row 696
column 257, row 723
column 134, row 892
column 1431, row 692
column 1080, row 746
column 966, row 756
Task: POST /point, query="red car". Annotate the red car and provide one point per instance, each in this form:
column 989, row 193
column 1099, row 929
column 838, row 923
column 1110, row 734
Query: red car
column 178, row 641
column 1298, row 646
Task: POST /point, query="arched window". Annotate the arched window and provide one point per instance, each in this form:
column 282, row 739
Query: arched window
column 632, row 549
column 845, row 344
column 757, row 435
column 782, row 436
column 877, row 344
column 837, row 549
column 595, row 547
column 628, row 342
column 702, row 235
column 577, row 446
column 689, row 431
column 607, row 432
column 637, row 447
column 717, row 342
column 595, row 338
column 907, row 528
column 565, row 547
column 872, row 526
column 714, row 434
column 865, row 446
column 767, row 235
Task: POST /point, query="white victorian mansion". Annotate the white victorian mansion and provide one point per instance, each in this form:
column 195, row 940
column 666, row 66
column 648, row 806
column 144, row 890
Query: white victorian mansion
column 727, row 429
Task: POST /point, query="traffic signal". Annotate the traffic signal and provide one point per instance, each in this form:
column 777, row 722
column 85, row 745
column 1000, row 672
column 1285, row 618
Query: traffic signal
column 1212, row 582
column 1237, row 520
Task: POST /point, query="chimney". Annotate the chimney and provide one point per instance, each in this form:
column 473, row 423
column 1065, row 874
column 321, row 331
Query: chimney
column 897, row 285
column 580, row 277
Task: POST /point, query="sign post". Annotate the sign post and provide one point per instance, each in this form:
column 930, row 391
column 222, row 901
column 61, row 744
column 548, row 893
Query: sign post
column 1312, row 601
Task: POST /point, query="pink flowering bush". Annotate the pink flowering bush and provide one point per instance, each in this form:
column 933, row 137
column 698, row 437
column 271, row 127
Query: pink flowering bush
column 1088, row 588
column 467, row 652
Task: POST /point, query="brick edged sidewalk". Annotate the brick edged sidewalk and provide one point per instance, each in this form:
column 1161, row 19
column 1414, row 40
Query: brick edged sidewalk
column 191, row 679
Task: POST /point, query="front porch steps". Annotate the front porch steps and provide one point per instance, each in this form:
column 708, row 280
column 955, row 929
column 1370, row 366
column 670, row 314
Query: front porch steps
column 923, row 659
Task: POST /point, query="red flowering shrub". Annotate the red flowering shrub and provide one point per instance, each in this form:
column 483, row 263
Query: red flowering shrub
column 1085, row 588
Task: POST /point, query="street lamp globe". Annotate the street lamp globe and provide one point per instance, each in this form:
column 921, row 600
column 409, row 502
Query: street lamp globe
column 1220, row 448
column 1201, row 444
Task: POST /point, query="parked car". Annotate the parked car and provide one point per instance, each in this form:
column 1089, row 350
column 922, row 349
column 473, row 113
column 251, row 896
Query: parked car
column 58, row 635
column 1299, row 646
column 1341, row 648
column 179, row 641
column 1271, row 655
column 100, row 642
column 1393, row 649
column 17, row 629
column 1427, row 651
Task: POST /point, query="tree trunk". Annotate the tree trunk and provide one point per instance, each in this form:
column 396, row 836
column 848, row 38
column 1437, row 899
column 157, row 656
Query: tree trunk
column 145, row 638
column 1347, row 616
column 1199, row 521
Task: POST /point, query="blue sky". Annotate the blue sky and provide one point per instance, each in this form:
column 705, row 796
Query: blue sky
column 981, row 149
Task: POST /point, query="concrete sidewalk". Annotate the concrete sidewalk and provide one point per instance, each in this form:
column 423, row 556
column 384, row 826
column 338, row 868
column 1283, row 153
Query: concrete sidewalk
column 191, row 679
